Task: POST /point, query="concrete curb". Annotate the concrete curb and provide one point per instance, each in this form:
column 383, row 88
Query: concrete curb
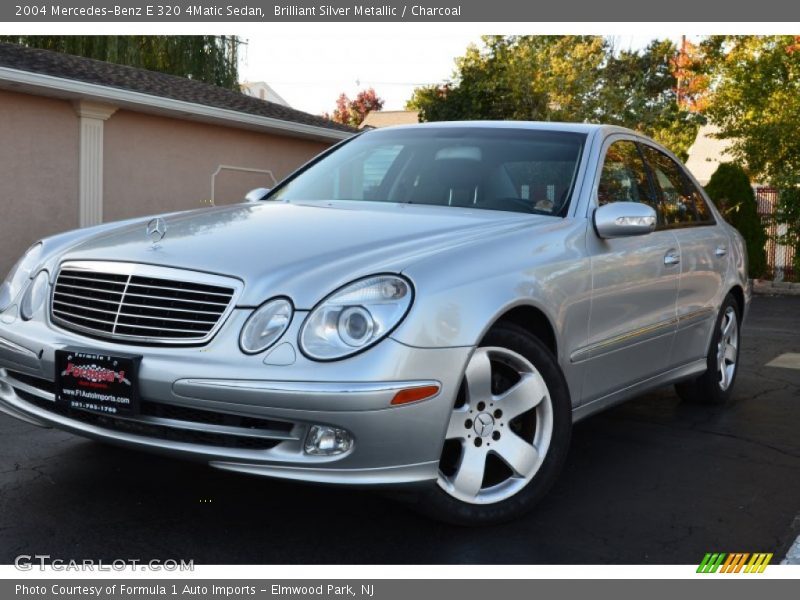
column 775, row 288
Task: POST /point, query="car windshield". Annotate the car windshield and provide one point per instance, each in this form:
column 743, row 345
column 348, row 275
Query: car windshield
column 521, row 170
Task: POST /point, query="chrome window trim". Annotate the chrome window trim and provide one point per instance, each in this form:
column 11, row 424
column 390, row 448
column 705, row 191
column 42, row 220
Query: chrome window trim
column 145, row 270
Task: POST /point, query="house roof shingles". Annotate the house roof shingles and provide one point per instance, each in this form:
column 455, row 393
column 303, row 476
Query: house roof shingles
column 87, row 70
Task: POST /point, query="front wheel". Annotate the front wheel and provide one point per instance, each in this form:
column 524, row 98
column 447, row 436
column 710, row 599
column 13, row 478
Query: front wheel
column 715, row 385
column 508, row 433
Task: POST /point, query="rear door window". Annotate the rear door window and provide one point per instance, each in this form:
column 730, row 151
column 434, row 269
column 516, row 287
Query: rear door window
column 683, row 204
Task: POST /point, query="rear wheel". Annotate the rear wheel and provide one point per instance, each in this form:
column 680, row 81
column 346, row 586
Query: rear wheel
column 715, row 386
column 508, row 433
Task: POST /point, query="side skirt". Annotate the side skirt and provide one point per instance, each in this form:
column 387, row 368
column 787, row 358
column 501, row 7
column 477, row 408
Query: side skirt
column 675, row 375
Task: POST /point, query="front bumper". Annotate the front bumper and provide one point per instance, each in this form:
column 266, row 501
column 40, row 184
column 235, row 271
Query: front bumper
column 234, row 412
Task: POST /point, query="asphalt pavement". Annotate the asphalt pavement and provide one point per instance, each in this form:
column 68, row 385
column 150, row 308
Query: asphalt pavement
column 651, row 481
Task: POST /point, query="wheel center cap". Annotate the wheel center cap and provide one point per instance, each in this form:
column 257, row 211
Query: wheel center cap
column 483, row 425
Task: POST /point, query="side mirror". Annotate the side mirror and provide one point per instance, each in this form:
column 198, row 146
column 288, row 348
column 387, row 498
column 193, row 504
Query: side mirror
column 256, row 194
column 624, row 219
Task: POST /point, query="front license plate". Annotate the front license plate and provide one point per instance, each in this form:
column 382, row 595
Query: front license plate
column 99, row 383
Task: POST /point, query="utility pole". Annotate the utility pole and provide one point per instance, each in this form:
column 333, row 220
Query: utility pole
column 679, row 72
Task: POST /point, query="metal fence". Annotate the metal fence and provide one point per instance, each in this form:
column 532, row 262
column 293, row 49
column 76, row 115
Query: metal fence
column 780, row 258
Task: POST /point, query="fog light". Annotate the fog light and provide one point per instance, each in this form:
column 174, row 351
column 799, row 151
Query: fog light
column 323, row 440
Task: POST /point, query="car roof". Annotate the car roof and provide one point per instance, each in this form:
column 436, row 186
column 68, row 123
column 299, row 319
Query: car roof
column 537, row 125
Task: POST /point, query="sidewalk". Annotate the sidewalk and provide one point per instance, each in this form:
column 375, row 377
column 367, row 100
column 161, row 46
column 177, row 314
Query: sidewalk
column 775, row 288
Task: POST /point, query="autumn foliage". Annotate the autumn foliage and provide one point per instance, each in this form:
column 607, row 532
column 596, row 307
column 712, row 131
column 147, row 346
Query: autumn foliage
column 692, row 80
column 353, row 112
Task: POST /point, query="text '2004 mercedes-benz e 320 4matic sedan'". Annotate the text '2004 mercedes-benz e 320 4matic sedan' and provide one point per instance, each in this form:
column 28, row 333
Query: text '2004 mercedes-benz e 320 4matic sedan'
column 431, row 305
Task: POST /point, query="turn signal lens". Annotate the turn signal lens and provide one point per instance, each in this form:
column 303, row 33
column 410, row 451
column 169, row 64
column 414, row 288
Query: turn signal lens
column 415, row 394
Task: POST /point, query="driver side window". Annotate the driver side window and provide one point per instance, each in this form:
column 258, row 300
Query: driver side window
column 624, row 177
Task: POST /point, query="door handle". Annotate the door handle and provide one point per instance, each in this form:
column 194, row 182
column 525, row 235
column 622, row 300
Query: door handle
column 721, row 251
column 672, row 258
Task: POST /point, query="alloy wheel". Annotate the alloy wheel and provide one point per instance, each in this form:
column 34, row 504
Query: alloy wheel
column 727, row 348
column 499, row 431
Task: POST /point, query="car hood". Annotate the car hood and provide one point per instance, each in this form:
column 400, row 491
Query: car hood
column 301, row 250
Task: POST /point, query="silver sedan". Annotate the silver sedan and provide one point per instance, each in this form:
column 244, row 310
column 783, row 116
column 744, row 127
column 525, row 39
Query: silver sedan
column 429, row 306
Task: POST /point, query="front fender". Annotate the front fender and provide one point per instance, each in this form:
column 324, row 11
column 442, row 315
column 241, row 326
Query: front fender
column 461, row 294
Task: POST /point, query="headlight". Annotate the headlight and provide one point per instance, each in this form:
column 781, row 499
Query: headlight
column 19, row 275
column 34, row 296
column 356, row 317
column 265, row 326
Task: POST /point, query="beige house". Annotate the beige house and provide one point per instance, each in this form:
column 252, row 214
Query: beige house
column 263, row 91
column 387, row 118
column 706, row 153
column 84, row 141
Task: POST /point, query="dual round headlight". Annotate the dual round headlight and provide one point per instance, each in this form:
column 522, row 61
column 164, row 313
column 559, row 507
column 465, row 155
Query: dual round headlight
column 347, row 322
column 356, row 317
column 266, row 325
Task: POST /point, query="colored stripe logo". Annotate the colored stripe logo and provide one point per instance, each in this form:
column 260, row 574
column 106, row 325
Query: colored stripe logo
column 736, row 562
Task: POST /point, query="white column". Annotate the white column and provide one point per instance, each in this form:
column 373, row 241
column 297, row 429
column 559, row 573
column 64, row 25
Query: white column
column 91, row 115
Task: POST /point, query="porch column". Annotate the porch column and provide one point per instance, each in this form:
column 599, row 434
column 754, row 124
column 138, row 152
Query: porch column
column 91, row 115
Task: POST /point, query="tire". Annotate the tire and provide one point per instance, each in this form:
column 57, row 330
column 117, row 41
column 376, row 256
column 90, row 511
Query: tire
column 508, row 434
column 715, row 385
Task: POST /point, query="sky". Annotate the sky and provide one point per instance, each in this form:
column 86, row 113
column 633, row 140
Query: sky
column 310, row 71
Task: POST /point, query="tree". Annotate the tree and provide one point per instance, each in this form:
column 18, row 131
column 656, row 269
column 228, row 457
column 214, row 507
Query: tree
column 341, row 114
column 730, row 189
column 689, row 67
column 756, row 104
column 544, row 78
column 209, row 58
column 353, row 112
column 639, row 90
column 567, row 78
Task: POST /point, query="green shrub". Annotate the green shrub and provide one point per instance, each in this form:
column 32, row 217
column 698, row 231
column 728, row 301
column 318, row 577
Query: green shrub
column 730, row 189
column 788, row 213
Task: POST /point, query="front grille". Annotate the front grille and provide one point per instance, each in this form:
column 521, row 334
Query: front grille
column 137, row 307
column 168, row 421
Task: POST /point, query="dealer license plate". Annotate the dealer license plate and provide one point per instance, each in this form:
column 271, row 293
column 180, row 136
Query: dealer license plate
column 97, row 382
